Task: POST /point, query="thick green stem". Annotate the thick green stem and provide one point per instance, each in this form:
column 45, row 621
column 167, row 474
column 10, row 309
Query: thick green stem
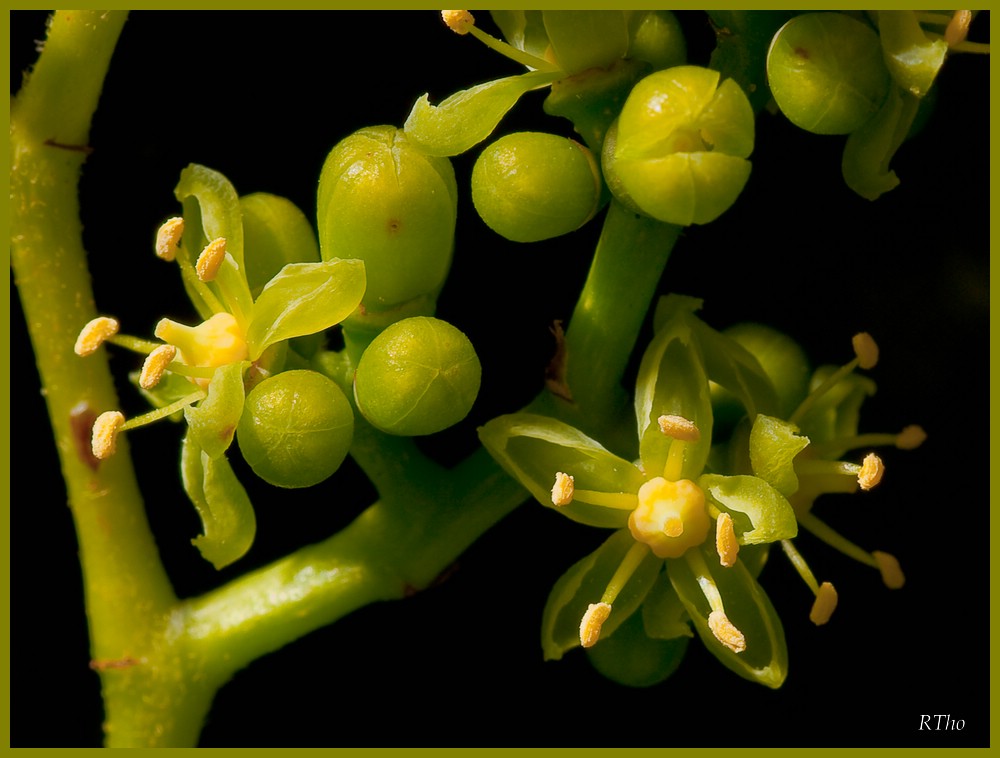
column 127, row 591
column 603, row 330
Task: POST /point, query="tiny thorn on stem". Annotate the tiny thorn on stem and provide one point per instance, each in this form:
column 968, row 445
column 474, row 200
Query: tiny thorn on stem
column 555, row 372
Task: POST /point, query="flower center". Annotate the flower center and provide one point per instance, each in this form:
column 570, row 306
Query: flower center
column 671, row 516
column 216, row 342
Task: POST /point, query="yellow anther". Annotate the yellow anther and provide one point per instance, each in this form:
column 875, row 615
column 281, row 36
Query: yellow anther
column 679, row 428
column 911, row 437
column 590, row 625
column 210, row 260
column 871, row 471
column 154, row 366
column 958, row 28
column 824, row 605
column 892, row 574
column 725, row 632
column 460, row 22
column 725, row 540
column 866, row 350
column 93, row 335
column 105, row 434
column 167, row 238
column 562, row 490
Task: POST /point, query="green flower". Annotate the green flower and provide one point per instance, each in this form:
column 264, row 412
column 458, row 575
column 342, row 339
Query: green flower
column 801, row 457
column 686, row 535
column 221, row 244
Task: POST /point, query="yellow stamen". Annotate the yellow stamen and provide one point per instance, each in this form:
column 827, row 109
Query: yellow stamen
column 725, row 540
column 866, row 350
column 562, row 490
column 105, row 434
column 460, row 22
column 825, row 604
column 888, row 566
column 871, row 471
column 590, row 625
column 911, row 437
column 93, row 335
column 167, row 238
column 679, row 428
column 155, row 365
column 725, row 632
column 210, row 260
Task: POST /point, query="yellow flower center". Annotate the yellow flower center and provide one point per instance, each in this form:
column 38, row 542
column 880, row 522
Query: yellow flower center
column 671, row 516
column 216, row 342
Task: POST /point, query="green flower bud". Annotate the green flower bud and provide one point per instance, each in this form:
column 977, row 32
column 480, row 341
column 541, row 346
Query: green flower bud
column 782, row 358
column 826, row 72
column 296, row 428
column 387, row 203
column 275, row 232
column 419, row 376
column 656, row 37
column 682, row 145
column 532, row 186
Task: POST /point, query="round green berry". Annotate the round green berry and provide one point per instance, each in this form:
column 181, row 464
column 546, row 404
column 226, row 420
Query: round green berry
column 296, row 428
column 826, row 72
column 419, row 376
column 531, row 186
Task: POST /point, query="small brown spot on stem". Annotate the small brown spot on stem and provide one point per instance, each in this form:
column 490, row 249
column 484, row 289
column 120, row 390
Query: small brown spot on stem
column 802, row 53
column 107, row 664
column 394, row 225
column 81, row 422
column 85, row 149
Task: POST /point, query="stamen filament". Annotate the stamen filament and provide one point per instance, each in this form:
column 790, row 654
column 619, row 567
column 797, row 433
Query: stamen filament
column 705, row 582
column 626, row 568
column 800, row 565
column 831, row 381
column 620, row 500
column 675, row 461
column 910, row 438
column 200, row 288
column 135, row 344
column 511, row 52
column 192, row 372
column 813, row 467
column 835, row 540
column 167, row 410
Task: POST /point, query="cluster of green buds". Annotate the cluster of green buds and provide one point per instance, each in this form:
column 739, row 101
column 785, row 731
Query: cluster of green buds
column 693, row 517
column 864, row 74
column 667, row 140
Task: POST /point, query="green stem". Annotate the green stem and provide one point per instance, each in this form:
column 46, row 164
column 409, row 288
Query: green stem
column 127, row 592
column 604, row 328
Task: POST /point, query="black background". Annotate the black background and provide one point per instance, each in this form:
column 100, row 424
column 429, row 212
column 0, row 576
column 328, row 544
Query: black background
column 262, row 97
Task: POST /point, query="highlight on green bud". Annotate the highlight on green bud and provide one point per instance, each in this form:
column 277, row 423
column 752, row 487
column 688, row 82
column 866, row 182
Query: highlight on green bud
column 419, row 376
column 386, row 202
column 826, row 72
column 531, row 186
column 681, row 147
column 296, row 428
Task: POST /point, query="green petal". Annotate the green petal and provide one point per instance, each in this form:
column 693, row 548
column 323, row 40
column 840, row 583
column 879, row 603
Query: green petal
column 732, row 366
column 275, row 232
column 305, row 298
column 770, row 515
column 212, row 210
column 672, row 381
column 632, row 658
column 226, row 514
column 468, row 117
column 773, row 446
column 664, row 615
column 869, row 149
column 912, row 57
column 765, row 659
column 533, row 448
column 584, row 583
column 213, row 421
column 525, row 30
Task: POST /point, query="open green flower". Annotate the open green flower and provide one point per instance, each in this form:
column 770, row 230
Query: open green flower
column 206, row 370
column 679, row 523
